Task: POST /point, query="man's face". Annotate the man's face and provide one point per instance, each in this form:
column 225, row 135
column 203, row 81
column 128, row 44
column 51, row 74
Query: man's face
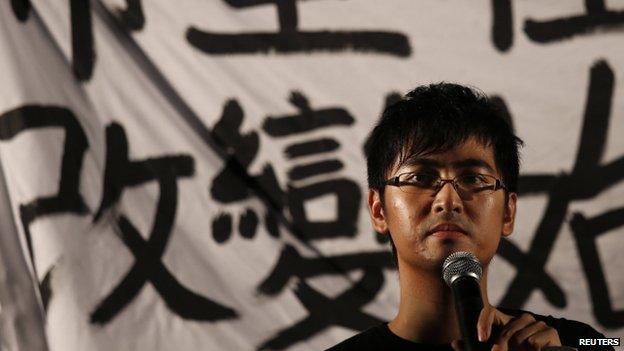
column 426, row 227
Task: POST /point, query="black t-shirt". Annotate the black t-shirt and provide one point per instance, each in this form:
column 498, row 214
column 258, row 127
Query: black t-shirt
column 381, row 338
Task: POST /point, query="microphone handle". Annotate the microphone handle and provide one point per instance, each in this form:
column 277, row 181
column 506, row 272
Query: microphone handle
column 468, row 305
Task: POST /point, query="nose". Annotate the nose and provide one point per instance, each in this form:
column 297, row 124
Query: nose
column 447, row 200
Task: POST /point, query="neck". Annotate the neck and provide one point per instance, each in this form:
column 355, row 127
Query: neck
column 426, row 311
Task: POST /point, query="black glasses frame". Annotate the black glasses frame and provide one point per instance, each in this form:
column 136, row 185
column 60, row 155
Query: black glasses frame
column 440, row 182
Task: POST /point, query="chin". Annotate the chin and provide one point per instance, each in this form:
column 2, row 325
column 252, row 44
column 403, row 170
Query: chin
column 450, row 240
column 432, row 254
column 443, row 248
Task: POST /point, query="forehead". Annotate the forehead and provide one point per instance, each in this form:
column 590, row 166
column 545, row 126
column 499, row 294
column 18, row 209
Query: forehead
column 470, row 154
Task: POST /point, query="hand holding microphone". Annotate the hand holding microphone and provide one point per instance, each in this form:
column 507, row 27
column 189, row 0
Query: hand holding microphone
column 461, row 272
column 517, row 333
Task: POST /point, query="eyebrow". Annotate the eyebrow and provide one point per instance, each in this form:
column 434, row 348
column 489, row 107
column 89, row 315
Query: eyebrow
column 466, row 163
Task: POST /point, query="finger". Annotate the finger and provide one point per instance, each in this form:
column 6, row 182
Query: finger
column 488, row 331
column 543, row 338
column 494, row 318
column 501, row 318
column 521, row 335
column 483, row 323
column 511, row 328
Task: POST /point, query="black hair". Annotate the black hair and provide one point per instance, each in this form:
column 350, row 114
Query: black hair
column 437, row 118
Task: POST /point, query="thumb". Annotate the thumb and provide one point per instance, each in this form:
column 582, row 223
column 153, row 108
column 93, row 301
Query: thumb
column 484, row 323
column 488, row 318
column 500, row 318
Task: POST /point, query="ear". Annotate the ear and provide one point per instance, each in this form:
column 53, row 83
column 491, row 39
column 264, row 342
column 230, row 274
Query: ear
column 509, row 216
column 376, row 211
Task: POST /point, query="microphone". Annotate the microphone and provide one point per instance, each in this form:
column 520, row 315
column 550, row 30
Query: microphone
column 462, row 271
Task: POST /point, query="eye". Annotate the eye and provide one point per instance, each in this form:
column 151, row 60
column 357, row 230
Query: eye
column 474, row 179
column 420, row 179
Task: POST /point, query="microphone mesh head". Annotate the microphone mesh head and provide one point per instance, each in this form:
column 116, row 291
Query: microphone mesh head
column 460, row 264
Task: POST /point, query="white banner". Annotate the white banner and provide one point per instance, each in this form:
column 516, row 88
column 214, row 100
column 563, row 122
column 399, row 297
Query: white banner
column 190, row 175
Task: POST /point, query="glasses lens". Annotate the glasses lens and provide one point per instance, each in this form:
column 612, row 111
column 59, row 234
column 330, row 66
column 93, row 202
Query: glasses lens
column 416, row 183
column 476, row 183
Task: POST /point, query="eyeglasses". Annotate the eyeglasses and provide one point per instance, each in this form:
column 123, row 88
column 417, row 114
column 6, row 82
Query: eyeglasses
column 465, row 184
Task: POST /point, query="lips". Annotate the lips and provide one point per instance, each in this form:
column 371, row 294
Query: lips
column 447, row 230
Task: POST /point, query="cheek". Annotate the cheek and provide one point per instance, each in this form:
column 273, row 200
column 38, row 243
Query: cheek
column 488, row 219
column 489, row 211
column 406, row 218
column 399, row 211
column 404, row 210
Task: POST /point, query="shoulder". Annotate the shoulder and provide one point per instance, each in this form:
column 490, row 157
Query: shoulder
column 380, row 338
column 369, row 339
column 570, row 331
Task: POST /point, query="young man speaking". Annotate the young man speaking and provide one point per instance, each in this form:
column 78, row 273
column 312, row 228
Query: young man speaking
column 442, row 173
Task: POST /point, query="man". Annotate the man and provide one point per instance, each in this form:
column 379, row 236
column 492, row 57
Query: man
column 442, row 172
